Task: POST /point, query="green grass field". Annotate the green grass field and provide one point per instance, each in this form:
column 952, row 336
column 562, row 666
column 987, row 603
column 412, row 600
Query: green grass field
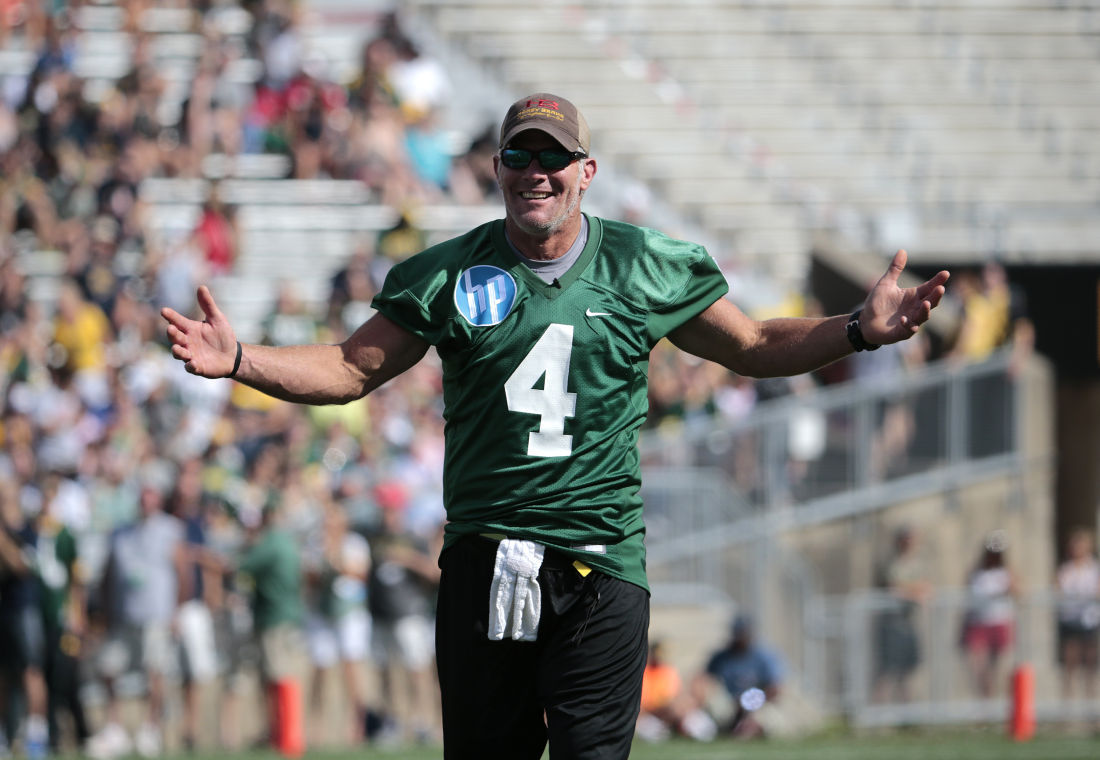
column 909, row 746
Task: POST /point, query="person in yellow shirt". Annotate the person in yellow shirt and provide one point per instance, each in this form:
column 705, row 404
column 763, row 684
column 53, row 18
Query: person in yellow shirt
column 994, row 314
column 81, row 329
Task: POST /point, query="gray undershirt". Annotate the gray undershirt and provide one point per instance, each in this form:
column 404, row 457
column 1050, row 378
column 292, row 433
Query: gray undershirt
column 550, row 270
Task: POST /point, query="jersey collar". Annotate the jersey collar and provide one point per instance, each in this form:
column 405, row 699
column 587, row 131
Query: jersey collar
column 523, row 272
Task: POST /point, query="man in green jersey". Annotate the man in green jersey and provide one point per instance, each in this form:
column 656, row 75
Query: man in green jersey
column 272, row 564
column 544, row 322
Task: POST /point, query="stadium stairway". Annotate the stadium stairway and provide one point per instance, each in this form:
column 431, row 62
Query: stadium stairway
column 956, row 129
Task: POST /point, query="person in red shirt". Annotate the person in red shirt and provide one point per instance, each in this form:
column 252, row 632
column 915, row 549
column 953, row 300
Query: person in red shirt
column 216, row 236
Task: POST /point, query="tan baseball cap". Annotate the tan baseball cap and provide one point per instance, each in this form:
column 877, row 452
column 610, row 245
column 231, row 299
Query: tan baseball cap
column 547, row 113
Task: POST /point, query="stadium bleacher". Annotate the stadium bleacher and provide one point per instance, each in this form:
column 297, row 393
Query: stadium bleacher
column 960, row 118
column 959, row 130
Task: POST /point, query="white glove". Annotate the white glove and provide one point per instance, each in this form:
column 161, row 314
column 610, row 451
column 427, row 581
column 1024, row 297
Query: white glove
column 515, row 599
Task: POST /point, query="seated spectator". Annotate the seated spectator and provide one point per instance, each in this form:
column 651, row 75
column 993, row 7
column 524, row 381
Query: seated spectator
column 1019, row 330
column 473, row 180
column 428, row 149
column 420, row 82
column 98, row 272
column 741, row 666
column 290, row 320
column 353, row 288
column 403, row 239
column 994, row 314
column 376, row 141
column 216, row 235
column 82, row 331
column 662, row 695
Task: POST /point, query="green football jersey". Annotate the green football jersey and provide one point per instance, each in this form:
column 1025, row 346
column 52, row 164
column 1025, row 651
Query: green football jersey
column 545, row 385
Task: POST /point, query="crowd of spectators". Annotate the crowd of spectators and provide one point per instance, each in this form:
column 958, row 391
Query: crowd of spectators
column 101, row 429
column 98, row 421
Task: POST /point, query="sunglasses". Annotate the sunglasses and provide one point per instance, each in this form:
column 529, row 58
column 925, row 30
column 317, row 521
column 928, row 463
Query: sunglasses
column 551, row 159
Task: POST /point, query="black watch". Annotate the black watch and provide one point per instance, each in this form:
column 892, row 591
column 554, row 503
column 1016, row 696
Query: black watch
column 855, row 334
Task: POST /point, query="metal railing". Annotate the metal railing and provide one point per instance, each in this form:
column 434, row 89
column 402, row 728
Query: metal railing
column 849, row 634
column 814, row 457
column 722, row 497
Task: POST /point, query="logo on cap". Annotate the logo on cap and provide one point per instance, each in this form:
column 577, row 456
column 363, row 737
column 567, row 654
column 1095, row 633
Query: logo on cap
column 548, row 109
column 484, row 295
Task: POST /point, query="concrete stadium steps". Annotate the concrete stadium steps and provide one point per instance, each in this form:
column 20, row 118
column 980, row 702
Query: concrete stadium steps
column 767, row 45
column 827, row 166
column 922, row 88
column 975, row 130
column 252, row 191
column 786, row 82
column 848, row 144
column 781, row 71
column 978, row 110
column 688, row 17
column 335, row 31
column 16, row 59
column 43, row 272
column 1023, row 192
column 173, row 221
column 297, row 231
column 307, row 258
column 105, row 48
column 1018, row 241
column 246, row 301
column 307, row 244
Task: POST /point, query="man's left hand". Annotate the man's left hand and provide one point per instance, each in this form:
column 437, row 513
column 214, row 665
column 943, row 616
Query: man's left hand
column 891, row 313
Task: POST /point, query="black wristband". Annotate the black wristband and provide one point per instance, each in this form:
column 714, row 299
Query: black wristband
column 237, row 361
column 855, row 333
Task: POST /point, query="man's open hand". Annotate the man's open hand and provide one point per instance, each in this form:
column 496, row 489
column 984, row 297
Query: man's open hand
column 206, row 348
column 891, row 313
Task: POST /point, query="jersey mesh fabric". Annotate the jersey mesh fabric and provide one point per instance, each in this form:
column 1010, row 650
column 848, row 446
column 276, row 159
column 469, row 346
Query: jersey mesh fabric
column 630, row 287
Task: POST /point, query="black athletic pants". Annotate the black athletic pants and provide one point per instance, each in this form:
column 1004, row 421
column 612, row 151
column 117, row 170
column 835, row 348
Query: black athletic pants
column 579, row 685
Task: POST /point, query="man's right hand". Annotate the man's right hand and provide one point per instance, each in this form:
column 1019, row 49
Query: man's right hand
column 206, row 348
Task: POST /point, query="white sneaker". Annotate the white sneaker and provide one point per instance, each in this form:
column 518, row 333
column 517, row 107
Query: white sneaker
column 147, row 740
column 36, row 738
column 699, row 726
column 111, row 742
column 650, row 728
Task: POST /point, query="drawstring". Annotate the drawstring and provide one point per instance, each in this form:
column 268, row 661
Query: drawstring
column 588, row 615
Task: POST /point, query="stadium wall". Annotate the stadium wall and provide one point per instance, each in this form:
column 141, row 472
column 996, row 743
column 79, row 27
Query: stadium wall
column 841, row 557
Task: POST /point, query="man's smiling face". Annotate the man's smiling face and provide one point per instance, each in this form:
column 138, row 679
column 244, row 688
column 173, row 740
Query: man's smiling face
column 540, row 202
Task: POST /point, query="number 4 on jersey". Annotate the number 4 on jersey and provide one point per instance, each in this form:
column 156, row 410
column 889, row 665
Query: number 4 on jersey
column 549, row 359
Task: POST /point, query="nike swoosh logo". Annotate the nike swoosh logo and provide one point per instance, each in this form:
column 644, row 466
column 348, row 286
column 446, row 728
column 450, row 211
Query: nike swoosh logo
column 590, row 313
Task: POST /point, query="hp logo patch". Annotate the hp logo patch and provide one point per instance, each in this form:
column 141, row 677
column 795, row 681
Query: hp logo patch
column 485, row 295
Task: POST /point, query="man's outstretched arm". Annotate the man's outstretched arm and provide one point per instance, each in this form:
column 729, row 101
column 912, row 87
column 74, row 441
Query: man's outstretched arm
column 314, row 374
column 782, row 347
